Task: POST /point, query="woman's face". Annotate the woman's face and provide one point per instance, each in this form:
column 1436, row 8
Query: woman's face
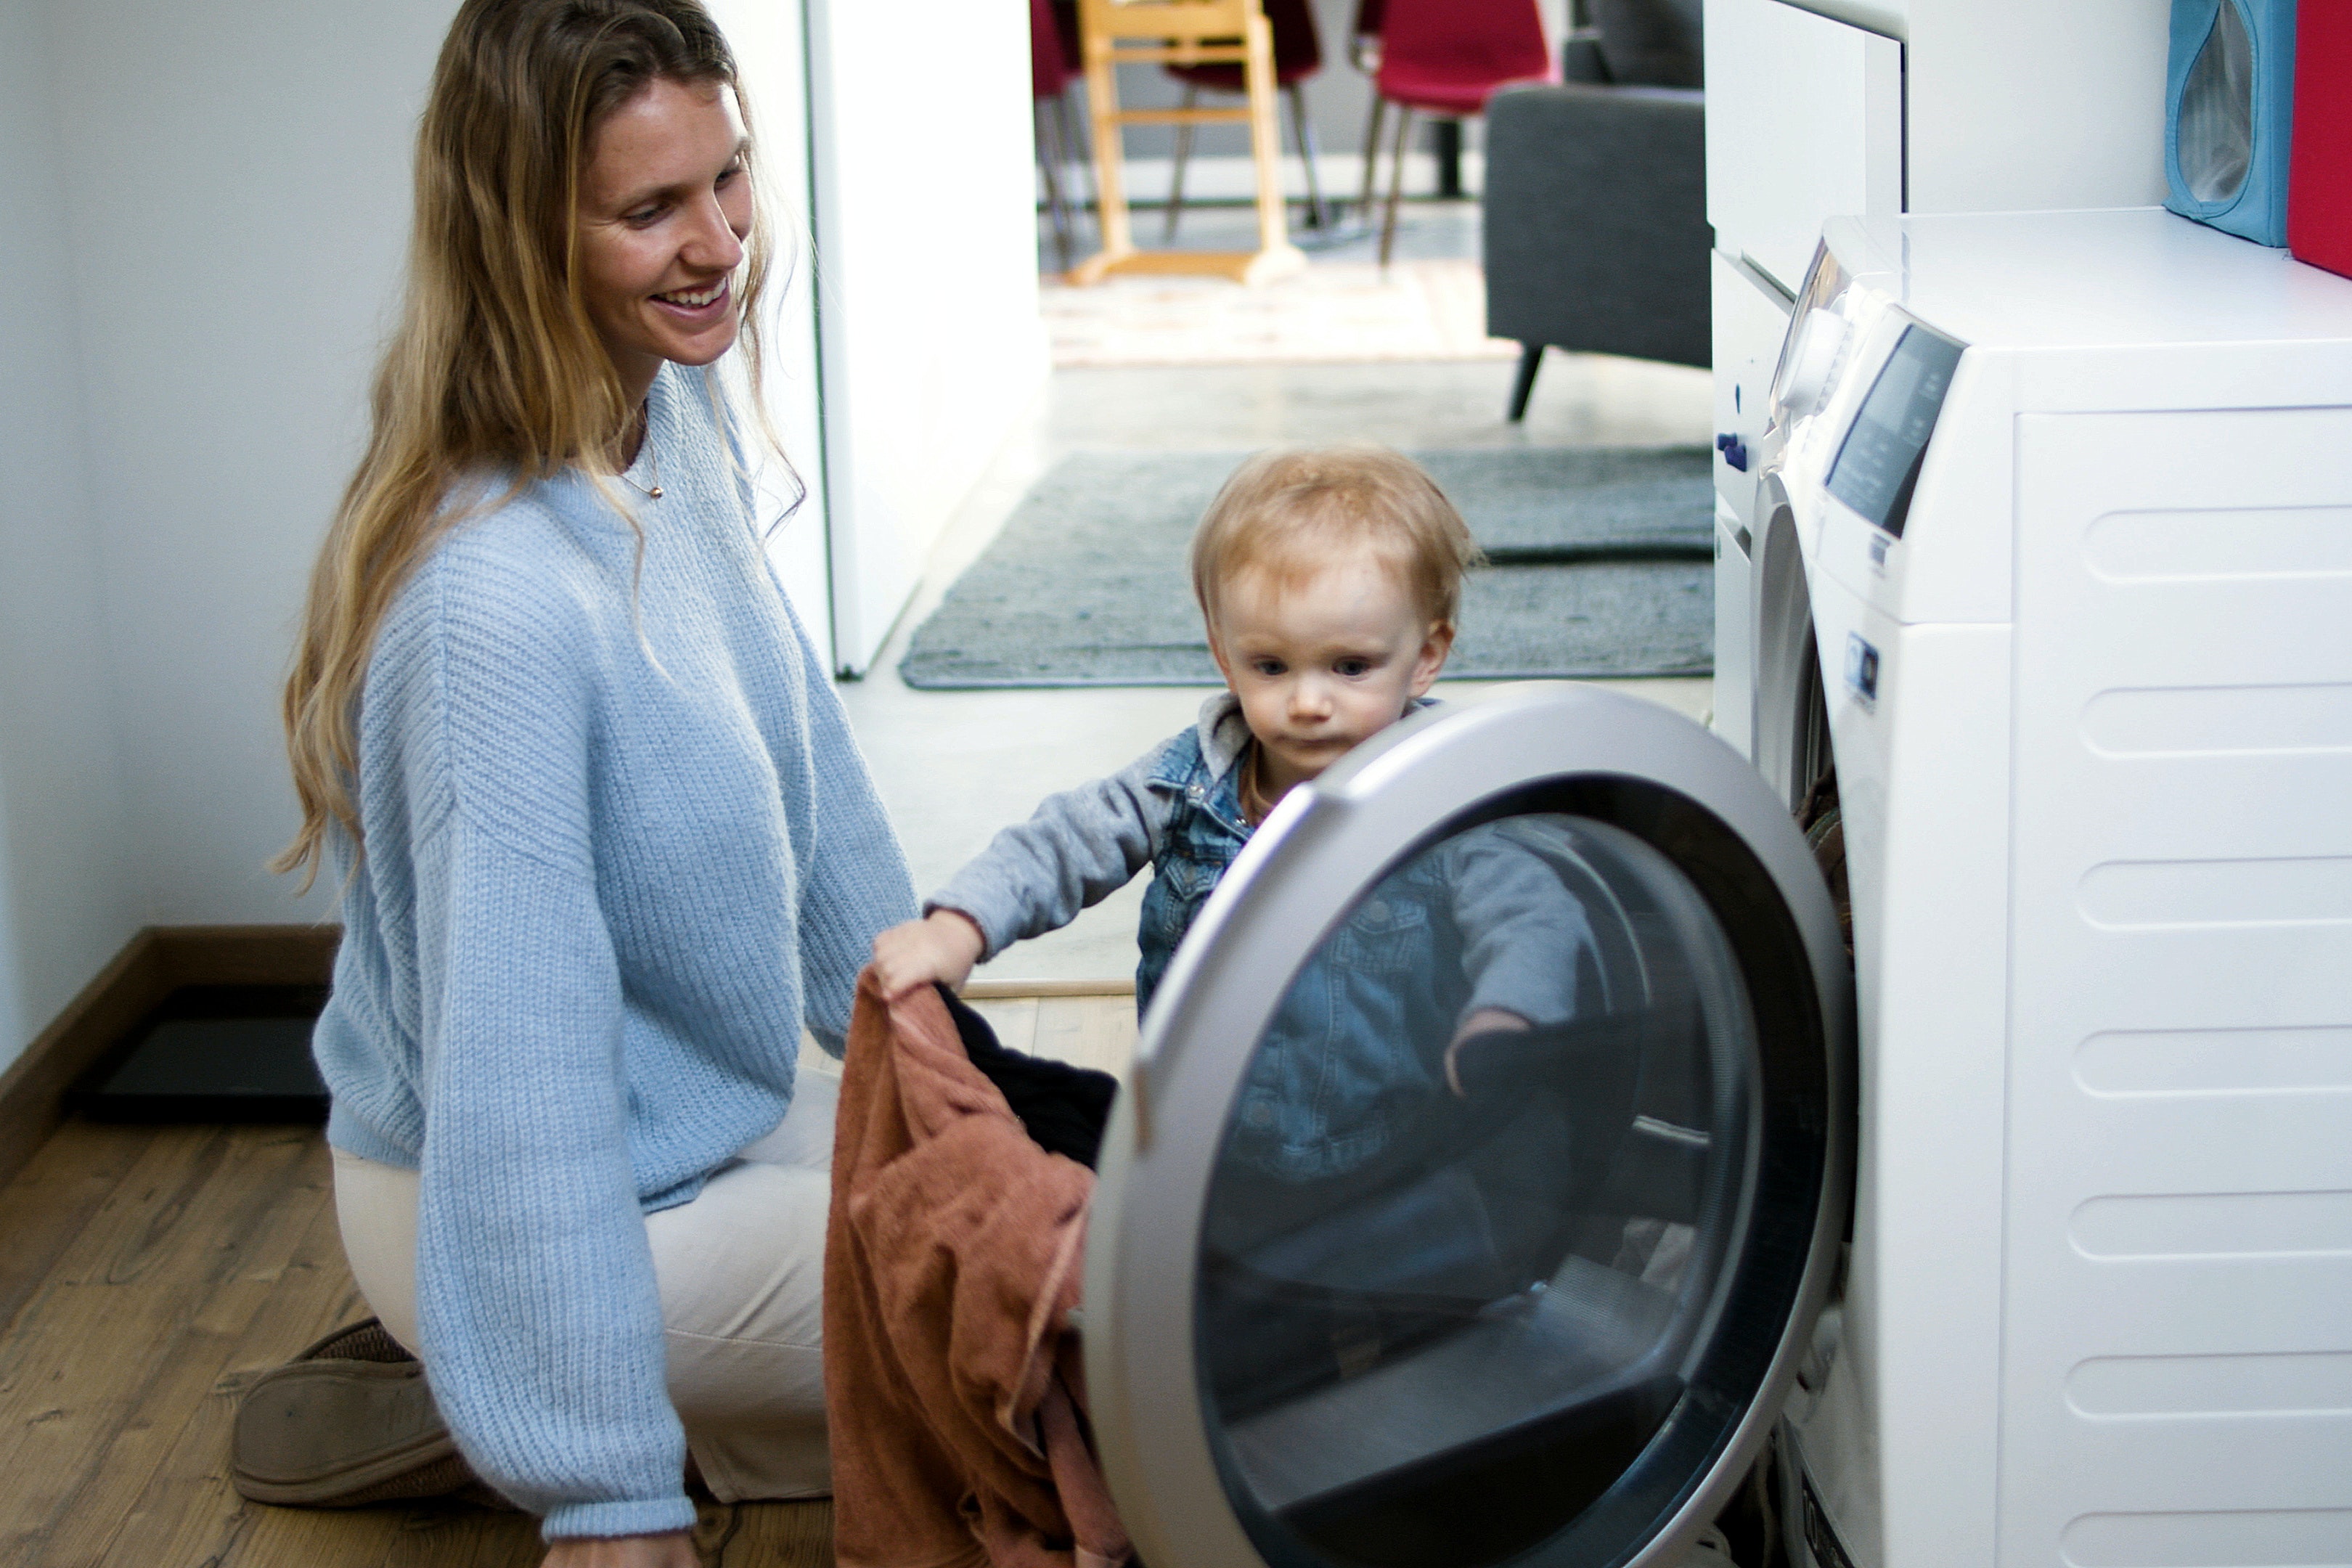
column 664, row 208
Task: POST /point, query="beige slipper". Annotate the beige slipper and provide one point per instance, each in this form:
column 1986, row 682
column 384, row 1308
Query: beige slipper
column 349, row 1421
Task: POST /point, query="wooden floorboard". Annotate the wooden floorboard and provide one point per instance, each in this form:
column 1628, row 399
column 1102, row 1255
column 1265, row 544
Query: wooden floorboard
column 1095, row 1030
column 185, row 1513
column 112, row 1358
column 148, row 1275
column 1015, row 1019
column 1091, row 1031
column 51, row 1201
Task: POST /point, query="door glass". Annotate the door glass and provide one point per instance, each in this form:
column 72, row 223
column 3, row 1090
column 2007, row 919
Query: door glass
column 1476, row 1205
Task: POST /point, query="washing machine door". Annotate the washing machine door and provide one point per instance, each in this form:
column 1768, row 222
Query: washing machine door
column 1483, row 1159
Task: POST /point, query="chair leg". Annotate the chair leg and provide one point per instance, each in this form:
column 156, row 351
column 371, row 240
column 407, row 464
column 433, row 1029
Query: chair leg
column 1069, row 136
column 1371, row 154
column 1316, row 216
column 1048, row 158
column 1531, row 360
column 1396, row 181
column 1176, row 175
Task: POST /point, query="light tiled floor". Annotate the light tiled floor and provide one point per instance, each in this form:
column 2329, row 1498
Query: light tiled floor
column 1427, row 230
column 954, row 767
column 1346, row 308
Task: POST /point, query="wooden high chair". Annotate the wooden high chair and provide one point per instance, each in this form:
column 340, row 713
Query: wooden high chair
column 1182, row 32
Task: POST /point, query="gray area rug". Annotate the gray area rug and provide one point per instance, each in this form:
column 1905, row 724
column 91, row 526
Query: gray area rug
column 1601, row 568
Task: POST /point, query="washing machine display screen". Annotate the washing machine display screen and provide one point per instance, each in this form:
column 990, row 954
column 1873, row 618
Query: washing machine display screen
column 1879, row 463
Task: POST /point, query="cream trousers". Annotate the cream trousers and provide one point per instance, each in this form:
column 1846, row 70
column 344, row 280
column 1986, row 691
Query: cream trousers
column 742, row 1272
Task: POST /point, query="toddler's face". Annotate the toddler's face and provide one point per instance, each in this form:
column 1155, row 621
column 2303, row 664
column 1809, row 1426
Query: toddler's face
column 1321, row 662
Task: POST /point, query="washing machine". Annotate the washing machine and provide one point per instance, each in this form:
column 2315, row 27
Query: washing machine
column 2052, row 629
column 1513, row 1152
column 1486, row 1157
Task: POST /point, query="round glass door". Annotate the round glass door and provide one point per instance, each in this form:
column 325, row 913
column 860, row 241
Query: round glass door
column 1516, row 1190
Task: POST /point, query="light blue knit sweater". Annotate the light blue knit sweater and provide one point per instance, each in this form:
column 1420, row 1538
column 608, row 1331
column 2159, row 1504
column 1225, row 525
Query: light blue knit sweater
column 617, row 849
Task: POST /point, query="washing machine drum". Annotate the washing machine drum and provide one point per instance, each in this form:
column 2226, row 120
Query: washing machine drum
column 1485, row 1159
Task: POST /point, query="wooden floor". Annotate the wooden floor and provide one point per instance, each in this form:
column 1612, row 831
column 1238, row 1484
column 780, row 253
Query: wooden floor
column 147, row 1274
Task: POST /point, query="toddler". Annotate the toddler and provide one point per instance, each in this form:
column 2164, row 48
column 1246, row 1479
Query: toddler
column 1329, row 579
column 1398, row 1153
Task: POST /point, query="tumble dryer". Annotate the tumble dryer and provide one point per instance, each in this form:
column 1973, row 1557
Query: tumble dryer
column 1501, row 1131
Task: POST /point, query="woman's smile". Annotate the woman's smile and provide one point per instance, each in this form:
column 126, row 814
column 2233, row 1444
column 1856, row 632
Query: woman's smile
column 689, row 300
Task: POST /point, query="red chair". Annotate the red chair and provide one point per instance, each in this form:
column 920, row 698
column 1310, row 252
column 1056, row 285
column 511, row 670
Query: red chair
column 1446, row 57
column 1053, row 66
column 1364, row 46
column 1298, row 54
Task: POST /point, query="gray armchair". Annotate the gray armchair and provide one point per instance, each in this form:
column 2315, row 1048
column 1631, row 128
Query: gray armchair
column 1595, row 204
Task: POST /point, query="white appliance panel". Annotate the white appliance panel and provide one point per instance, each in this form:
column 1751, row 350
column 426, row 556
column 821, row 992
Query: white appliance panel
column 1804, row 123
column 2180, row 1100
column 1922, row 779
column 2021, row 105
column 1749, row 320
column 1734, row 716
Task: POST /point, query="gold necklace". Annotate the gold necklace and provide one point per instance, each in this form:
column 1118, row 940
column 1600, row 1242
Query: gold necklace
column 652, row 455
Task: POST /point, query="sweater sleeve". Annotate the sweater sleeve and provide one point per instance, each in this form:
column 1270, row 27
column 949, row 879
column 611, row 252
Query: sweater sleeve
column 858, row 884
column 1526, row 941
column 1077, row 848
column 537, row 1303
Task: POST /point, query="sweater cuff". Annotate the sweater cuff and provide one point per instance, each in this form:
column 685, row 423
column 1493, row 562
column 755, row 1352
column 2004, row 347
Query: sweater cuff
column 991, row 944
column 647, row 1516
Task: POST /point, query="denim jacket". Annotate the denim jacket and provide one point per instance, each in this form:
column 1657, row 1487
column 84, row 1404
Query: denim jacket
column 1475, row 921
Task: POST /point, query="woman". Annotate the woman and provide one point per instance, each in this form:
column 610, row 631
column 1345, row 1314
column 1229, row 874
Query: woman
column 603, row 839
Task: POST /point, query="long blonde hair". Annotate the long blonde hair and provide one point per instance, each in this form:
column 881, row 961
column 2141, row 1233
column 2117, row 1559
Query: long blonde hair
column 495, row 362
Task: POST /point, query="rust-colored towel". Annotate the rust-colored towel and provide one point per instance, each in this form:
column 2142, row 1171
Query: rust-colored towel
column 951, row 1265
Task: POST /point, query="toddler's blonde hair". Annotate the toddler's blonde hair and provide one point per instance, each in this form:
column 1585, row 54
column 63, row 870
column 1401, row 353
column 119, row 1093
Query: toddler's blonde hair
column 1292, row 510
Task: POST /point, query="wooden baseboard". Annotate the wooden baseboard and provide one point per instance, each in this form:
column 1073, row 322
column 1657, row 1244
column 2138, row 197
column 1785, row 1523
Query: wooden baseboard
column 151, row 966
column 160, row 959
column 1011, row 990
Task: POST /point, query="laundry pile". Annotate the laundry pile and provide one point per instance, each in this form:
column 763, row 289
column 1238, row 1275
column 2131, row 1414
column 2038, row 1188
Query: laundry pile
column 962, row 1177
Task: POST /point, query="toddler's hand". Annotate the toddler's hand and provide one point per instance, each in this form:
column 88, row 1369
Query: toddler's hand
column 1484, row 1021
column 940, row 948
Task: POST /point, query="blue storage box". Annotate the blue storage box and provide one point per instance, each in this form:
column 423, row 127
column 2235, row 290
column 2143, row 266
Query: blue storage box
column 2229, row 112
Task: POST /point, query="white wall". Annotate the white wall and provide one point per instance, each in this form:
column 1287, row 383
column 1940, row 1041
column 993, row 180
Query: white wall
column 237, row 192
column 926, row 278
column 66, row 902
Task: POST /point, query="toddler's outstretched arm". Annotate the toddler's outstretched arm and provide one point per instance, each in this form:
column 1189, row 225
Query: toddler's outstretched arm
column 940, row 948
column 1080, row 846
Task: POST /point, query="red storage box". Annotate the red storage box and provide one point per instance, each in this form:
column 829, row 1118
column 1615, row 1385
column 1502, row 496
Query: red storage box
column 2319, row 168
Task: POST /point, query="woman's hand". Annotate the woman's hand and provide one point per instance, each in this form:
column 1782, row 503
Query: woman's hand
column 940, row 948
column 673, row 1550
